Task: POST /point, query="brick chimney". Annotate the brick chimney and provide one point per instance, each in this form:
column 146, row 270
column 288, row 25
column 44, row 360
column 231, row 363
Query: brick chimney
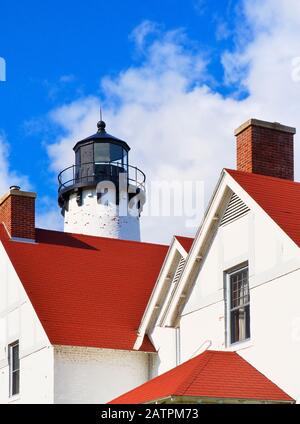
column 17, row 213
column 265, row 148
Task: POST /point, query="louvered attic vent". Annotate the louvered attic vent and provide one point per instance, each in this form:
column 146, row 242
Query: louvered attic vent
column 235, row 209
column 178, row 271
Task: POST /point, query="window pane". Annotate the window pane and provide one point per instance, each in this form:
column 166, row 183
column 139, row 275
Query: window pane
column 116, row 153
column 238, row 325
column 109, row 152
column 101, row 152
column 239, row 289
column 15, row 383
column 86, row 153
column 15, row 357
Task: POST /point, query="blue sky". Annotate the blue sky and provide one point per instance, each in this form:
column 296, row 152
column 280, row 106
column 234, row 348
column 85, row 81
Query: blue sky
column 64, row 57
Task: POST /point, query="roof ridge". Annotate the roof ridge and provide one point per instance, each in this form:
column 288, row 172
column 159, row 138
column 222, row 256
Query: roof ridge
column 101, row 237
column 282, row 180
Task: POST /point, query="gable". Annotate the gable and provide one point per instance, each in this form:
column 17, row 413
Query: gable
column 167, row 280
column 230, row 204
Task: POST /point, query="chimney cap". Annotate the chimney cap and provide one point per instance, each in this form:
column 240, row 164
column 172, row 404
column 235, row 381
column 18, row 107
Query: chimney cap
column 264, row 124
column 15, row 187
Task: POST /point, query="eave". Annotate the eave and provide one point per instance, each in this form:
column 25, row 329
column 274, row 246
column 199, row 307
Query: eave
column 158, row 294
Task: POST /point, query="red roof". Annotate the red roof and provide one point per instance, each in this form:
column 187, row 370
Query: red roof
column 213, row 374
column 279, row 198
column 87, row 291
column 186, row 242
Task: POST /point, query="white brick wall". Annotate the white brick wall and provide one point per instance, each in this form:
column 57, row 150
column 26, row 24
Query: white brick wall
column 90, row 375
column 95, row 219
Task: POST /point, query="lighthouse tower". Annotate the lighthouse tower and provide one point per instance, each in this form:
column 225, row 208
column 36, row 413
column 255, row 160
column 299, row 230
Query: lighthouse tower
column 102, row 195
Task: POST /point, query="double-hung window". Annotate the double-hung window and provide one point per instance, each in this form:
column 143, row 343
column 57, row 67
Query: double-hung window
column 14, row 368
column 238, row 305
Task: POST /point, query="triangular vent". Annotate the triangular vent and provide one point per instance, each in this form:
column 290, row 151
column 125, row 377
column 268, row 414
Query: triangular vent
column 235, row 209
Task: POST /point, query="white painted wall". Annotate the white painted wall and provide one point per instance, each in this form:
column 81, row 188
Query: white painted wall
column 274, row 278
column 90, row 375
column 18, row 321
column 96, row 219
column 164, row 339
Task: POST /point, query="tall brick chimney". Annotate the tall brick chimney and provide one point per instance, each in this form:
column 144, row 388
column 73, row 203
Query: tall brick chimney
column 17, row 213
column 266, row 148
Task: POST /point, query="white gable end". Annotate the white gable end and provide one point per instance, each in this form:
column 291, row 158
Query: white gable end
column 273, row 260
column 18, row 321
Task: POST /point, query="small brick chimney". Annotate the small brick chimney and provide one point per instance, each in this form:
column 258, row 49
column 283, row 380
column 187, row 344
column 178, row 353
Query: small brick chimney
column 17, row 213
column 265, row 148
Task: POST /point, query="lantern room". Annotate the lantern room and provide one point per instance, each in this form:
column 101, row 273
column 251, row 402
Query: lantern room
column 99, row 157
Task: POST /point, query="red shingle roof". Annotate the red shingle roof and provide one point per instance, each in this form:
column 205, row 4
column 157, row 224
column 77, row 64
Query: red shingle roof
column 279, row 198
column 186, row 242
column 87, row 291
column 213, row 374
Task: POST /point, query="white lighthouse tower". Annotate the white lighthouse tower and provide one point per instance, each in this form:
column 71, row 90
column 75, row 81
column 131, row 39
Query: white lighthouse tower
column 102, row 195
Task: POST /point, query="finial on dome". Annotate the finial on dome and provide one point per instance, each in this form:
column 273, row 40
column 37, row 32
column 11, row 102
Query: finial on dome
column 101, row 126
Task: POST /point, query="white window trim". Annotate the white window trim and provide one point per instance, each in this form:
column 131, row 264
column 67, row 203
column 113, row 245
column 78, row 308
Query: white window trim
column 178, row 346
column 10, row 368
column 228, row 306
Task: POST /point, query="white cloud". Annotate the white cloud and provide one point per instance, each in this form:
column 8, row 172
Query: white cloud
column 67, row 78
column 141, row 32
column 8, row 176
column 177, row 126
column 48, row 215
column 222, row 30
column 200, row 6
column 47, row 211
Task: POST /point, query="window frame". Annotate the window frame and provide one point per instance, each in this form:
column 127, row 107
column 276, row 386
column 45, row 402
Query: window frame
column 11, row 366
column 229, row 308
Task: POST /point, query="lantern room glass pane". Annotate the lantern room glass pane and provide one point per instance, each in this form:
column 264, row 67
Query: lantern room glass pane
column 109, row 152
column 101, row 152
column 116, row 153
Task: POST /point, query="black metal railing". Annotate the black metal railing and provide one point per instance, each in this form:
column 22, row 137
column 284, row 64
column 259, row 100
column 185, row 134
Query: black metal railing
column 93, row 172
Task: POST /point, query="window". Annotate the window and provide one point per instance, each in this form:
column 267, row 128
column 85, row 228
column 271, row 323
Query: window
column 109, row 152
column 14, row 368
column 238, row 306
column 102, row 152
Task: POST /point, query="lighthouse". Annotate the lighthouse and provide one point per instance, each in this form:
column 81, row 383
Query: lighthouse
column 102, row 194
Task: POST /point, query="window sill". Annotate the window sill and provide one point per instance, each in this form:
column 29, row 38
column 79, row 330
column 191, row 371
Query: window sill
column 245, row 344
column 14, row 398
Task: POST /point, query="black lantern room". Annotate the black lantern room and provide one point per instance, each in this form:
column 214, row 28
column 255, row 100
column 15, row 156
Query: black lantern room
column 100, row 157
